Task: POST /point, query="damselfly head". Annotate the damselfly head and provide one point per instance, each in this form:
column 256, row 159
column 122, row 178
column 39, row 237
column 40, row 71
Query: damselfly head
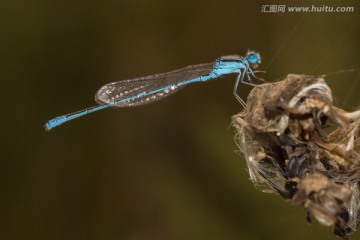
column 253, row 58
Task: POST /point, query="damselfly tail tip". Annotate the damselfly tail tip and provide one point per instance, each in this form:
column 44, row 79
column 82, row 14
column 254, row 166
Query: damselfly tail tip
column 48, row 126
column 54, row 123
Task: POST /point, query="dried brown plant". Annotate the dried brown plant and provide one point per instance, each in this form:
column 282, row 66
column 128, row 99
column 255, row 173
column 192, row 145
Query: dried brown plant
column 299, row 145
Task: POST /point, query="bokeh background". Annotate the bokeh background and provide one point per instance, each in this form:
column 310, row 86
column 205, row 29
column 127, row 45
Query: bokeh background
column 168, row 170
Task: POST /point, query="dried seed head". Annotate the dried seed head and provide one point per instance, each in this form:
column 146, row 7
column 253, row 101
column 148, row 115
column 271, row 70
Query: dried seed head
column 290, row 150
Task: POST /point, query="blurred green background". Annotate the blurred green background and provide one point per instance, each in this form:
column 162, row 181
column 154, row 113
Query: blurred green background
column 166, row 170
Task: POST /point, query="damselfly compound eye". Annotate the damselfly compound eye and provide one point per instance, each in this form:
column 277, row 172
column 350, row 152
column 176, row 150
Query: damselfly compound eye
column 253, row 58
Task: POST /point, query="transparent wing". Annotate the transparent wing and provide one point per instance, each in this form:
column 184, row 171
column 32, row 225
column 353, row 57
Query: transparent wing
column 143, row 90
